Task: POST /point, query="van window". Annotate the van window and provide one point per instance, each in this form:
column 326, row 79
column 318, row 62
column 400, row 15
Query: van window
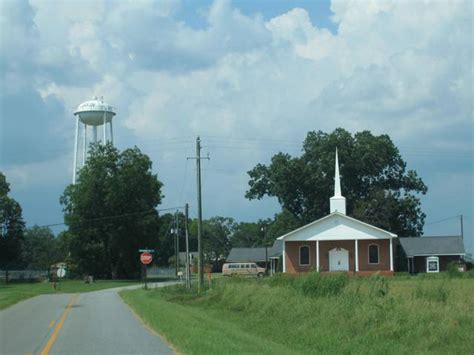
column 254, row 266
column 247, row 266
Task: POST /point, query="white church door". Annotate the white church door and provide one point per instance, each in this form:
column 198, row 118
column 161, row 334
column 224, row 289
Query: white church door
column 338, row 260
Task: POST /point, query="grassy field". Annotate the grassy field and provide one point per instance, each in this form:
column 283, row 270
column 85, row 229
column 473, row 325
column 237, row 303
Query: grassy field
column 15, row 292
column 315, row 314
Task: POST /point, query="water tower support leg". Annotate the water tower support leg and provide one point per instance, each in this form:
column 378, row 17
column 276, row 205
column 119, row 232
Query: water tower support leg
column 111, row 133
column 74, row 169
column 84, row 146
column 104, row 141
column 94, row 132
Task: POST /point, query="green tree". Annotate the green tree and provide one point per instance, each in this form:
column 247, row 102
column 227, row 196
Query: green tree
column 165, row 245
column 64, row 241
column 378, row 188
column 110, row 211
column 247, row 235
column 281, row 224
column 12, row 226
column 216, row 238
column 40, row 248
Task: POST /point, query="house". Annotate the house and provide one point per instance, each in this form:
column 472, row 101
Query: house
column 338, row 242
column 432, row 254
column 257, row 255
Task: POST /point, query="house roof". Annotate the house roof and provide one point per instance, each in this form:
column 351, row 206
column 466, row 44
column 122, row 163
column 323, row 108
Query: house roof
column 419, row 246
column 240, row 255
column 352, row 224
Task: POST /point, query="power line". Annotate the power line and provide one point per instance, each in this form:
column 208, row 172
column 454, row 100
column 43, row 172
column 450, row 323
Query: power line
column 115, row 216
column 442, row 220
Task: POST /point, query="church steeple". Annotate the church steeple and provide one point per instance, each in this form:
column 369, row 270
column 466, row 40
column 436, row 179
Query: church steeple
column 337, row 202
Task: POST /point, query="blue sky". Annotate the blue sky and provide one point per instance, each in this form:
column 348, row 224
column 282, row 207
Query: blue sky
column 251, row 77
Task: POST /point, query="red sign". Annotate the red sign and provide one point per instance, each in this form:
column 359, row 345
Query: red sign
column 146, row 258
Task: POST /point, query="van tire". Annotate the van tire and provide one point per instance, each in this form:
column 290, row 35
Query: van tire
column 260, row 274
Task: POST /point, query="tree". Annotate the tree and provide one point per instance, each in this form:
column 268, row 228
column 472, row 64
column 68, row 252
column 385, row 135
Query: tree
column 282, row 223
column 378, row 188
column 12, row 226
column 216, row 236
column 247, row 235
column 111, row 213
column 40, row 248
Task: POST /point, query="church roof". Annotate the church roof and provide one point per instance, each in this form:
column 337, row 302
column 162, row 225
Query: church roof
column 343, row 228
column 425, row 246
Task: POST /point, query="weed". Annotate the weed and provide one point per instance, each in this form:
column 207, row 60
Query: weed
column 426, row 292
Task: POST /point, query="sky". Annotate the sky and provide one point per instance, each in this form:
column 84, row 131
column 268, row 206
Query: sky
column 251, row 78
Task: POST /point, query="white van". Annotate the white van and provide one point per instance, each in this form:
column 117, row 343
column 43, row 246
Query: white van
column 242, row 269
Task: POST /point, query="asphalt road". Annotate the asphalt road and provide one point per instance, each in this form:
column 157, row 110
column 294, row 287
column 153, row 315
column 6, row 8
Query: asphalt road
column 87, row 323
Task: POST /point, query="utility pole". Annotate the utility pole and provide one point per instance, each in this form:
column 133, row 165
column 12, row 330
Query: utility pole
column 177, row 240
column 199, row 208
column 462, row 228
column 264, row 230
column 188, row 276
column 176, row 243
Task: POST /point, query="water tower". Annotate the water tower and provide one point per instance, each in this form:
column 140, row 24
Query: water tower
column 93, row 113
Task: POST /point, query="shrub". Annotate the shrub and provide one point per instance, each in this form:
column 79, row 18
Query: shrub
column 452, row 270
column 378, row 286
column 427, row 292
column 312, row 284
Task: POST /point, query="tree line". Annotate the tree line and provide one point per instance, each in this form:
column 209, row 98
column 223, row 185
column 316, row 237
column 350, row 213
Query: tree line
column 112, row 210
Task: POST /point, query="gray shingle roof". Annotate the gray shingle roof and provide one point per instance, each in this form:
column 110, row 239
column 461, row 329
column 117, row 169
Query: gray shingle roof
column 240, row 255
column 432, row 245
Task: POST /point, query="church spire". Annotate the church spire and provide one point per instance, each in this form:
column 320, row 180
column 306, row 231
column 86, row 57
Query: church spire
column 337, row 179
column 337, row 203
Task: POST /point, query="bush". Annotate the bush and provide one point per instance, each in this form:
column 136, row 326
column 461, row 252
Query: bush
column 378, row 286
column 312, row 284
column 453, row 270
column 427, row 292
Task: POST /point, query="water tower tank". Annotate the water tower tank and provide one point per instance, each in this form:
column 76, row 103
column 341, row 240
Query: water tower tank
column 92, row 112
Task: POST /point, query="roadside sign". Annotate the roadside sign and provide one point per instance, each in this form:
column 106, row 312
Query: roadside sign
column 61, row 272
column 146, row 258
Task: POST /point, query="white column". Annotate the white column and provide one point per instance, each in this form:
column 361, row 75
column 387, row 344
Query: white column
column 111, row 133
column 317, row 255
column 94, row 133
column 105, row 130
column 84, row 148
column 74, row 169
column 391, row 254
column 284, row 257
column 356, row 255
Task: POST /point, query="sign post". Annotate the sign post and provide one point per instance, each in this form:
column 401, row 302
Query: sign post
column 146, row 258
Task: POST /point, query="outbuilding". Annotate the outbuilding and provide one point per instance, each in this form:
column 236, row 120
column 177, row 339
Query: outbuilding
column 258, row 255
column 433, row 254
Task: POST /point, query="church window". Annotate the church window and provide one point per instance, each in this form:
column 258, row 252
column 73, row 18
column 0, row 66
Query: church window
column 304, row 255
column 373, row 254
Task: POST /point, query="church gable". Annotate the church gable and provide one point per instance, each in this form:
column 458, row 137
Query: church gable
column 337, row 226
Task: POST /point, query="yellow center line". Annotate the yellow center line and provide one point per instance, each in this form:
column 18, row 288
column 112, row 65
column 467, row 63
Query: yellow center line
column 60, row 324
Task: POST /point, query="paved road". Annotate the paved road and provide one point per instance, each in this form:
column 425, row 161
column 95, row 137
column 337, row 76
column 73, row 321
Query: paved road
column 87, row 323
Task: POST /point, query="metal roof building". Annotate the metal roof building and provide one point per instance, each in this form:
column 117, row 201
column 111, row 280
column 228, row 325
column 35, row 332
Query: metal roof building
column 432, row 254
column 242, row 255
column 427, row 246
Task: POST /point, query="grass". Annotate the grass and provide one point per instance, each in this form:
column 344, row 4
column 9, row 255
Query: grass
column 314, row 314
column 15, row 292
